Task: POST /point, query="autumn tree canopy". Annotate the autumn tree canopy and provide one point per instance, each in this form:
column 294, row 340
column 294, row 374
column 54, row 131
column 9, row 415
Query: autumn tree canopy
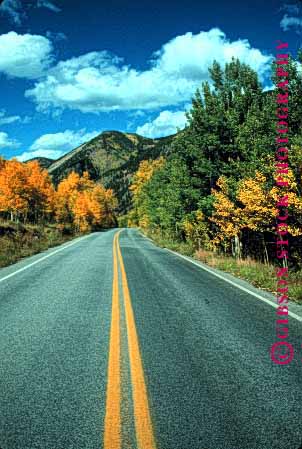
column 28, row 195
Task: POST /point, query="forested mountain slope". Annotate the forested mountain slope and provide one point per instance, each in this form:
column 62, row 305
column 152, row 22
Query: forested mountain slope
column 112, row 157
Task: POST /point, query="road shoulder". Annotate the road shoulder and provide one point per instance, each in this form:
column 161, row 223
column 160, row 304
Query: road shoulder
column 255, row 292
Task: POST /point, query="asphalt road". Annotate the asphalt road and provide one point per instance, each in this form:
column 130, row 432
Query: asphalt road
column 111, row 342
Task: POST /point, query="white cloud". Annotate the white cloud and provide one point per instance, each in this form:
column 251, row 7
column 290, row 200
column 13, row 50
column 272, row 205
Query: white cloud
column 165, row 124
column 269, row 87
column 24, row 55
column 10, row 119
column 98, row 81
column 6, row 142
column 6, row 120
column 13, row 9
column 57, row 144
column 50, row 154
column 47, row 4
column 56, row 36
column 289, row 22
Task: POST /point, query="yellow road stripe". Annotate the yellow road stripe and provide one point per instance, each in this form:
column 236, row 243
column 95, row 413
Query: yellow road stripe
column 143, row 423
column 112, row 430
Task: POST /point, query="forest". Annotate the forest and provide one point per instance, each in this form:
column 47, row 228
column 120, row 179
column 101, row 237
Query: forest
column 215, row 188
column 36, row 214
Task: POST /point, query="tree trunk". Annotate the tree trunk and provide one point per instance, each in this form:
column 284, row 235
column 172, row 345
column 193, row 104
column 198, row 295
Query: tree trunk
column 266, row 261
column 237, row 247
column 233, row 248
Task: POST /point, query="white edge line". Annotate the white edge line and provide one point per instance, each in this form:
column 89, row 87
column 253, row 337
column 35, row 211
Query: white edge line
column 292, row 314
column 44, row 257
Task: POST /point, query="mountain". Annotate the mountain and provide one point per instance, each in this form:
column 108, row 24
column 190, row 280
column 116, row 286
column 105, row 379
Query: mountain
column 112, row 158
column 44, row 162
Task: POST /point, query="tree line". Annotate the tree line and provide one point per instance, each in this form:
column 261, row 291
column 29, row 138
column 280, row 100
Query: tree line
column 215, row 187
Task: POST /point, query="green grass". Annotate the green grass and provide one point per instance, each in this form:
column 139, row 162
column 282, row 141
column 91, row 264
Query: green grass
column 258, row 274
column 18, row 241
column 184, row 248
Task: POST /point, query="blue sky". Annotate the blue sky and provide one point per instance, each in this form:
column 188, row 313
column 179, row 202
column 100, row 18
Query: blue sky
column 70, row 69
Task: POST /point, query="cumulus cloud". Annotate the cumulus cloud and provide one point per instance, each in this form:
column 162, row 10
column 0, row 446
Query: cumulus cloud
column 289, row 22
column 24, row 55
column 165, row 124
column 57, row 144
column 13, row 9
column 99, row 81
column 7, row 142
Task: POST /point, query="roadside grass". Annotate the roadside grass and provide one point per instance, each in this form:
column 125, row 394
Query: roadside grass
column 258, row 274
column 19, row 241
column 184, row 248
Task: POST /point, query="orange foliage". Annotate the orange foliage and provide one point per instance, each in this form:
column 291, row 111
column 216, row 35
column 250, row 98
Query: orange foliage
column 27, row 194
column 81, row 201
column 25, row 190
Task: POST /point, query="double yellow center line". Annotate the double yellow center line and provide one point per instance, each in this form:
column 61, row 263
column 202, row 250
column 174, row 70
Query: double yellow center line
column 142, row 418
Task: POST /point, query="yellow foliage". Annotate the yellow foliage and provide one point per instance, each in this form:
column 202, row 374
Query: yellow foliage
column 258, row 209
column 226, row 215
column 196, row 229
column 144, row 173
column 255, row 208
column 146, row 169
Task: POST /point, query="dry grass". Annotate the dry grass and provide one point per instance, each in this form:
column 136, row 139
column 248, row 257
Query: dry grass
column 258, row 274
column 17, row 241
